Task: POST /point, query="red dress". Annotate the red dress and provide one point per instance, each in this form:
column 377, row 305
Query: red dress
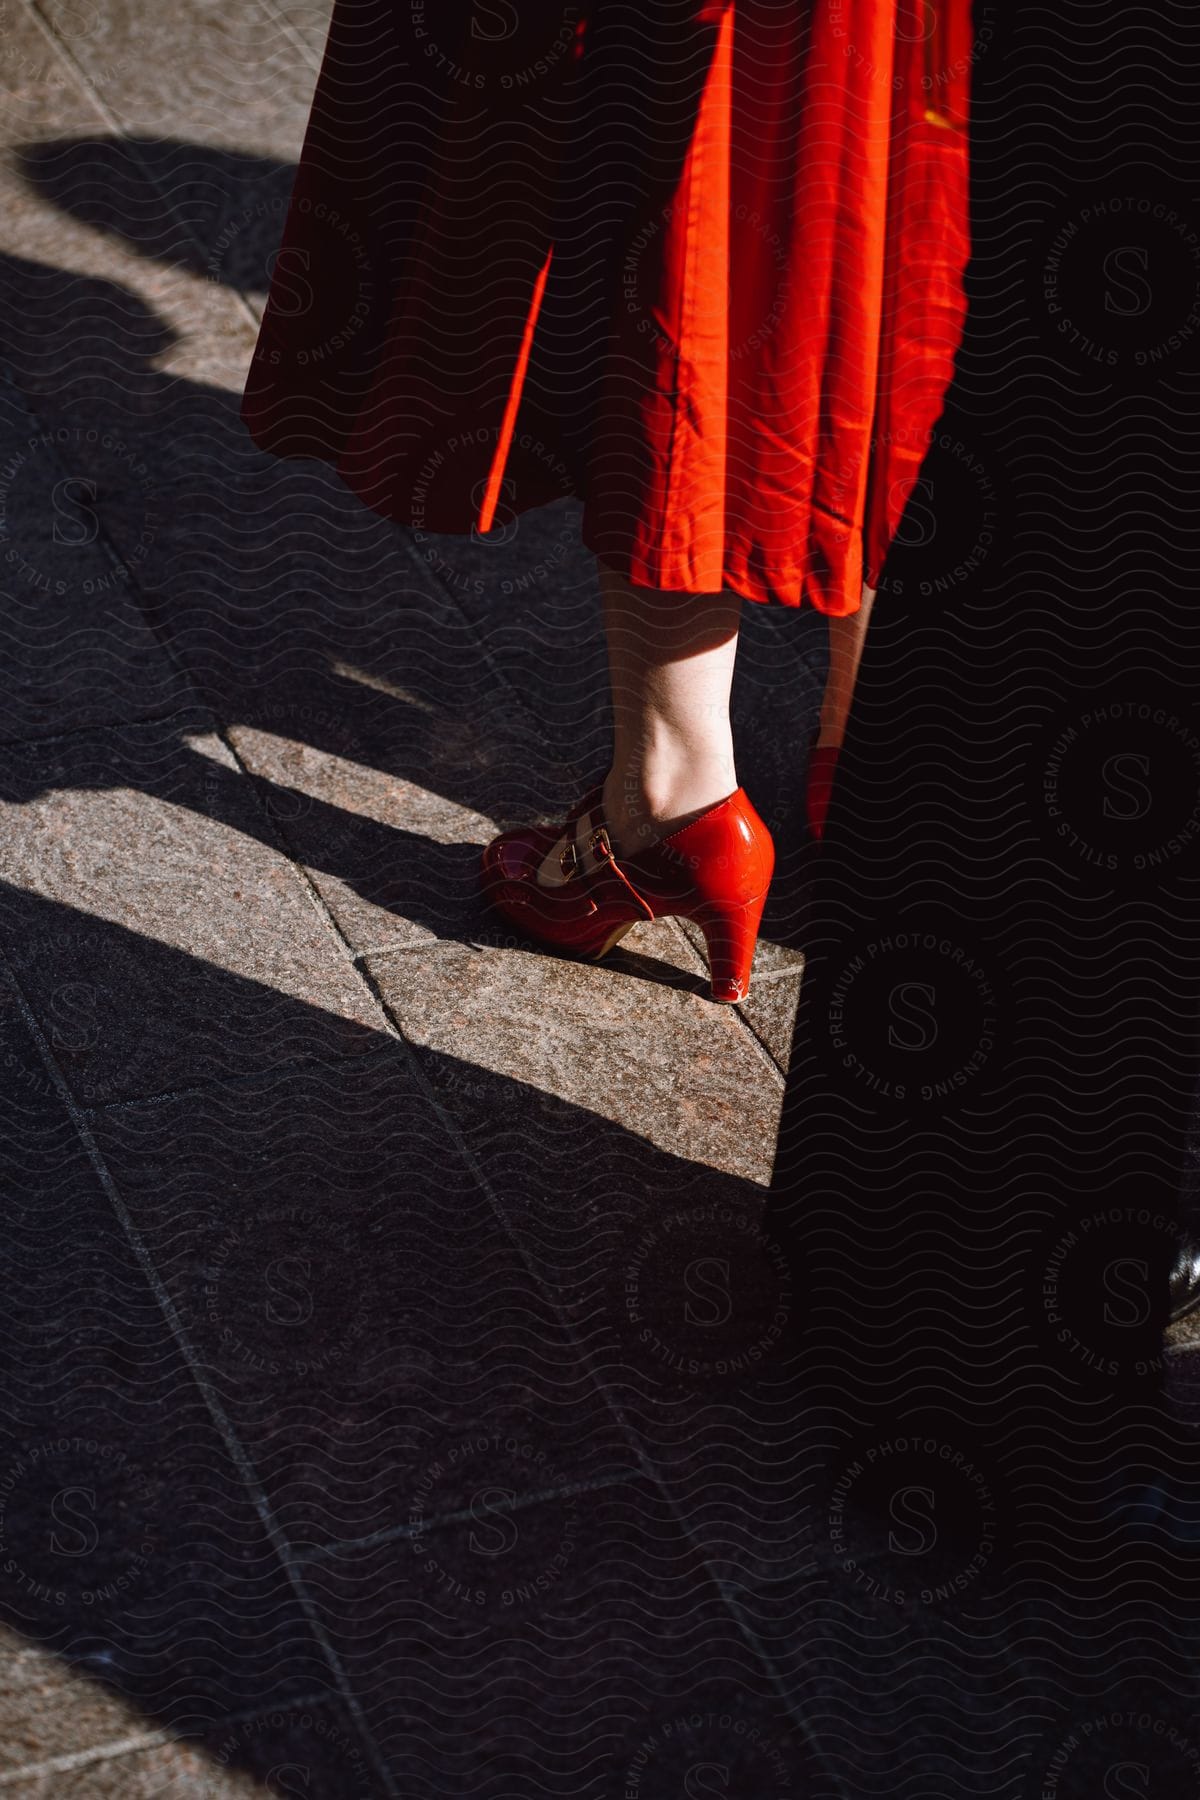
column 696, row 262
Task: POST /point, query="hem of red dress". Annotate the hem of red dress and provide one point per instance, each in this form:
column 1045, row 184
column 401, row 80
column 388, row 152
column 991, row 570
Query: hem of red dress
column 828, row 579
column 744, row 573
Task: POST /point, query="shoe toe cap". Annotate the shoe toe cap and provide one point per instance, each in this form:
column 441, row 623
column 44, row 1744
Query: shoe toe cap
column 507, row 863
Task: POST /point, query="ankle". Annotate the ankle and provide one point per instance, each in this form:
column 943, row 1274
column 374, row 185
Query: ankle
column 645, row 805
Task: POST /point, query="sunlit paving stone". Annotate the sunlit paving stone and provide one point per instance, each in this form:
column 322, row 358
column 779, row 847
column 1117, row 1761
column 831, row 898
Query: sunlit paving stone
column 635, row 1040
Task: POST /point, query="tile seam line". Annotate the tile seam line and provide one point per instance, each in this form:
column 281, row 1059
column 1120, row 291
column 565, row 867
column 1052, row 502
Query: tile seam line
column 773, row 1067
column 777, row 1074
column 398, row 1534
column 117, row 125
column 431, row 945
column 301, row 874
column 196, row 716
column 220, row 1418
column 644, row 1462
column 117, row 722
column 290, row 1065
column 114, row 1749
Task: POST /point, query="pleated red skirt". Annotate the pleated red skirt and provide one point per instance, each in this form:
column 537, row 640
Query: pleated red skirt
column 695, row 262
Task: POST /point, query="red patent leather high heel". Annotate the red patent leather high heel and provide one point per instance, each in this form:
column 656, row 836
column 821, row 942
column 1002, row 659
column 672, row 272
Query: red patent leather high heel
column 715, row 870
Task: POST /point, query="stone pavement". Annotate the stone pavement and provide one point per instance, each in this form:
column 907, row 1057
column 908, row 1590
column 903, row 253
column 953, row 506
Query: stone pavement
column 397, row 1394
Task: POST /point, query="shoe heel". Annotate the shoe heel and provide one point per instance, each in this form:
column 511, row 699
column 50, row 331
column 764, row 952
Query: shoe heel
column 730, row 934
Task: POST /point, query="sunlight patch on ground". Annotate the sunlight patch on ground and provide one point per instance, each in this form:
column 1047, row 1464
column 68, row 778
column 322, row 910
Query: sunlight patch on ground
column 43, row 1703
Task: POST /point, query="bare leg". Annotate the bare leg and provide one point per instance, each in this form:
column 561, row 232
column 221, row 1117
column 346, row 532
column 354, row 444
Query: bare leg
column 846, row 636
column 670, row 664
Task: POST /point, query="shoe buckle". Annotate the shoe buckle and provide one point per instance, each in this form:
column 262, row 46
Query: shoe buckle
column 598, row 843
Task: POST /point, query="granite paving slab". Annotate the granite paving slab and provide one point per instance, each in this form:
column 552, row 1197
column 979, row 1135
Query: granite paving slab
column 386, row 785
column 667, row 1078
column 656, row 1245
column 531, row 592
column 130, row 1543
column 163, row 1772
column 103, row 342
column 769, row 1008
column 157, row 932
column 62, row 1732
column 731, row 1736
column 1144, row 1734
column 47, row 1710
column 903, row 1704
column 130, row 431
column 540, row 1654
column 354, row 1300
column 309, row 1748
column 75, row 647
column 185, row 220
column 741, row 1467
column 95, row 209
column 213, row 73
